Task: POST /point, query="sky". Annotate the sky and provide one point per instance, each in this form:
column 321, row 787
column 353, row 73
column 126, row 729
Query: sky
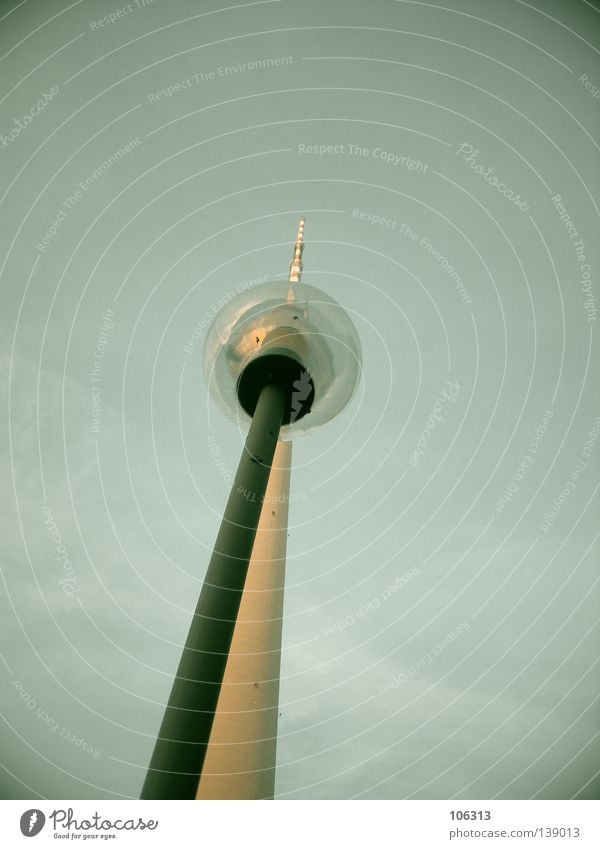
column 440, row 635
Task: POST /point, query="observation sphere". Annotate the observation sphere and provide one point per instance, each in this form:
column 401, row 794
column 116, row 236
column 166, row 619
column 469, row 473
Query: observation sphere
column 304, row 323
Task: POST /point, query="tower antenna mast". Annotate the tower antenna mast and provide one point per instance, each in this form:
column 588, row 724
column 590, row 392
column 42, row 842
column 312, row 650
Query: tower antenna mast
column 296, row 263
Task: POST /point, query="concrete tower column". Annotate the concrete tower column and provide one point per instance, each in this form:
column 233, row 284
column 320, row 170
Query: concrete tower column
column 240, row 759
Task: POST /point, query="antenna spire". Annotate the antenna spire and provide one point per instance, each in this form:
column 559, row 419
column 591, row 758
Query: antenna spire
column 296, row 263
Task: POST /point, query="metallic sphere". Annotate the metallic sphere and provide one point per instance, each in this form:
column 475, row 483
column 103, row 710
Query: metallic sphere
column 275, row 326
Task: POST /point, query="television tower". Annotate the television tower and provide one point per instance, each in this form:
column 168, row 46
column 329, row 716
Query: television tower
column 274, row 355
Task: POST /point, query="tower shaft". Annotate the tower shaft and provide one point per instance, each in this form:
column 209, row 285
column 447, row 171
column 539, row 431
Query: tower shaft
column 180, row 749
column 240, row 760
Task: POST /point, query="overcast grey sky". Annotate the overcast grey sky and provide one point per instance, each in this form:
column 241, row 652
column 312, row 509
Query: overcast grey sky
column 441, row 612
